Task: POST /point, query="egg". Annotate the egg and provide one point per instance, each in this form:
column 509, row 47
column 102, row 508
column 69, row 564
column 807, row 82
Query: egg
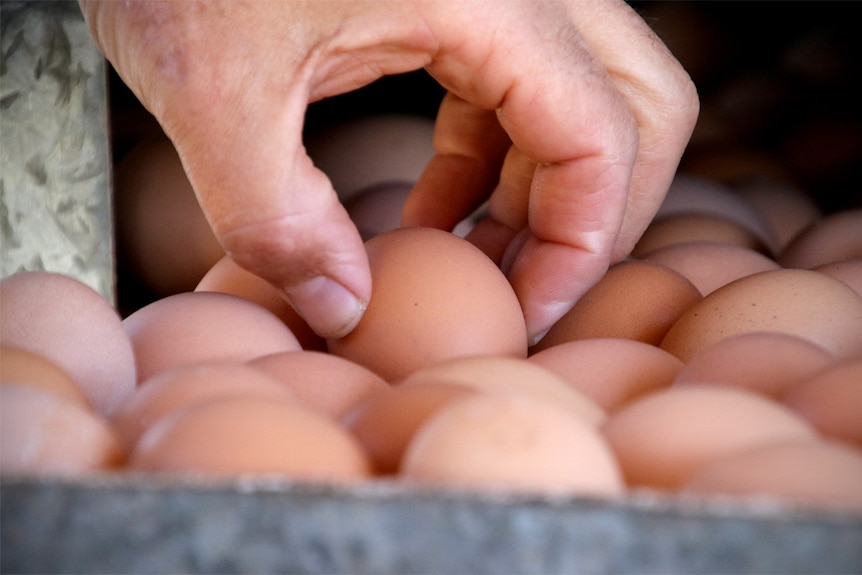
column 175, row 388
column 162, row 234
column 833, row 238
column 663, row 438
column 786, row 208
column 847, row 271
column 46, row 433
column 610, row 371
column 194, row 327
column 244, row 436
column 811, row 474
column 710, row 265
column 226, row 276
column 377, row 209
column 505, row 375
column 832, row 401
column 20, row 366
column 634, row 300
column 385, row 421
column 765, row 362
column 512, row 443
column 328, row 383
column 799, row 302
column 69, row 323
column 436, row 296
column 678, row 229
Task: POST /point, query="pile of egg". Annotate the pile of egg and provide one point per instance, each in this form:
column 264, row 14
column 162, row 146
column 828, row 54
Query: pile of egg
column 723, row 356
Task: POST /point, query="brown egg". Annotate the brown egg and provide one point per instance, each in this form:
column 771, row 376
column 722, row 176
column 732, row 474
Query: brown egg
column 25, row 367
column 178, row 387
column 505, row 375
column 226, row 276
column 611, row 371
column 804, row 303
column 686, row 228
column 819, row 474
column 765, row 362
column 662, row 438
column 848, row 271
column 385, row 422
column 436, row 296
column 786, row 208
column 195, row 327
column 634, row 300
column 328, row 383
column 250, row 436
column 832, row 401
column 162, row 233
column 73, row 326
column 710, row 265
column 377, row 209
column 42, row 432
column 833, row 238
column 511, row 443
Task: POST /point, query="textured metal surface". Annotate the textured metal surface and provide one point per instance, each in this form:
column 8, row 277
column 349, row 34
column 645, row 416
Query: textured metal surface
column 55, row 210
column 129, row 524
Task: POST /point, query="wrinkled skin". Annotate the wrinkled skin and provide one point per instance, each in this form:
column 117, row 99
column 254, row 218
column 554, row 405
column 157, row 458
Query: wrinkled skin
column 570, row 116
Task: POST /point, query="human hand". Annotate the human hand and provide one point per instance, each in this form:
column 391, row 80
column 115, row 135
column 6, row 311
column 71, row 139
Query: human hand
column 588, row 109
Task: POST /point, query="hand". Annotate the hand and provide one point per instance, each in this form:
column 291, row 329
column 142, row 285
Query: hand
column 572, row 116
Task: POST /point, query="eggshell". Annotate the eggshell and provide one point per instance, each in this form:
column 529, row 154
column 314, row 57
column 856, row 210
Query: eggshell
column 162, row 233
column 178, row 387
column 819, row 474
column 678, row 229
column 804, row 303
column 377, row 209
column 25, row 367
column 848, row 271
column 436, row 296
column 42, row 432
column 833, row 238
column 634, row 300
column 611, row 371
column 505, row 375
column 765, row 362
column 662, row 438
column 710, row 265
column 514, row 443
column 226, row 276
column 385, row 422
column 71, row 324
column 325, row 382
column 250, row 436
column 832, row 401
column 195, row 327
column 787, row 209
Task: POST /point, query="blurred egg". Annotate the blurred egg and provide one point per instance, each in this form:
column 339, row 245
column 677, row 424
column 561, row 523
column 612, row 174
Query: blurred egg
column 194, row 327
column 832, row 401
column 847, row 271
column 833, row 238
column 768, row 363
column 662, row 438
column 25, row 367
column 634, row 300
column 325, row 382
column 818, row 474
column 710, row 265
column 378, row 209
column 513, row 443
column 786, row 209
column 385, row 421
column 226, row 276
column 42, row 432
column 181, row 386
column 371, row 150
column 804, row 303
column 506, row 375
column 162, row 233
column 435, row 296
column 72, row 325
column 239, row 436
column 678, row 229
column 611, row 371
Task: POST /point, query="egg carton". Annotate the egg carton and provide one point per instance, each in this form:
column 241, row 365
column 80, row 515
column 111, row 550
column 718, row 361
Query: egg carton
column 55, row 190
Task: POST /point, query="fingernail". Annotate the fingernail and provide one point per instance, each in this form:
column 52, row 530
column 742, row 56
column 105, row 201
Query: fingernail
column 329, row 308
